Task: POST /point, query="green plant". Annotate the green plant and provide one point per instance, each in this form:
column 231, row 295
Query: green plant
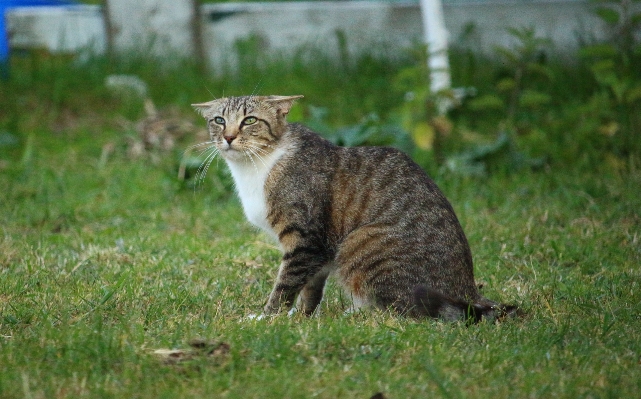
column 516, row 103
column 371, row 130
column 616, row 68
column 520, row 89
column 419, row 117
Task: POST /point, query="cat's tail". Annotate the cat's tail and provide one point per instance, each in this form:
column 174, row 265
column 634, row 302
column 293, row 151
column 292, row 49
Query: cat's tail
column 432, row 303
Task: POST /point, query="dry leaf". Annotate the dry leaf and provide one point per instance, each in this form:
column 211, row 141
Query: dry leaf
column 200, row 348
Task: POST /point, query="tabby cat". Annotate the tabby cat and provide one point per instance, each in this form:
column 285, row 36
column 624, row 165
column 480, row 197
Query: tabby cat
column 368, row 215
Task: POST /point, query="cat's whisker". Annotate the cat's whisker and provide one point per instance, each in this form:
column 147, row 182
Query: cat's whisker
column 211, row 159
column 212, row 151
column 214, row 155
column 256, row 88
column 204, row 166
column 259, row 149
column 254, row 151
column 205, row 150
column 261, row 152
column 249, row 154
column 209, row 91
column 260, row 146
column 199, row 173
column 191, row 147
column 200, row 181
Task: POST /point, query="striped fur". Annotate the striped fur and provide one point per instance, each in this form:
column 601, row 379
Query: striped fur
column 368, row 215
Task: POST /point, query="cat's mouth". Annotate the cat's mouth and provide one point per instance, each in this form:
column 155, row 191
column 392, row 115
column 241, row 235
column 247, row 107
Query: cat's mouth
column 232, row 152
column 227, row 147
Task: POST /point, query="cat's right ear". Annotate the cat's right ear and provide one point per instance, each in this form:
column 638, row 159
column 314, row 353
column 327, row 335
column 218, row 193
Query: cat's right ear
column 282, row 103
column 202, row 108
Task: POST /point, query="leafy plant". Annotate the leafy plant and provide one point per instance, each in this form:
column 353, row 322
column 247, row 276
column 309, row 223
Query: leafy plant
column 521, row 88
column 616, row 67
column 371, row 130
column 500, row 155
column 420, row 114
column 519, row 96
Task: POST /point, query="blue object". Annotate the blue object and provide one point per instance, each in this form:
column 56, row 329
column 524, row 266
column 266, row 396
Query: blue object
column 4, row 40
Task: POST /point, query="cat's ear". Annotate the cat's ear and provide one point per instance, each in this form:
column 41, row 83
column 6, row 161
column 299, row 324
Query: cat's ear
column 282, row 103
column 201, row 108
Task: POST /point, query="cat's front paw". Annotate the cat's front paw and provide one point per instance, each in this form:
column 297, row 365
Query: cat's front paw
column 271, row 310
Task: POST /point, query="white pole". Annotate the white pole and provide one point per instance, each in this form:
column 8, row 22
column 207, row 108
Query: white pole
column 436, row 39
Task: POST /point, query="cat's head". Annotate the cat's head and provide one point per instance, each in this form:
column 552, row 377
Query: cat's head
column 242, row 127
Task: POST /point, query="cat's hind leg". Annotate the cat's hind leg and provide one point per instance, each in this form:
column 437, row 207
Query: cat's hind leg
column 357, row 303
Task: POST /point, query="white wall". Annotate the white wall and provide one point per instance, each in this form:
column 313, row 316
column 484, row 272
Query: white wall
column 375, row 26
column 58, row 29
column 370, row 25
column 152, row 26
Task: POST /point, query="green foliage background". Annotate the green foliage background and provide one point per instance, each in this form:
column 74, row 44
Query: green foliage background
column 106, row 254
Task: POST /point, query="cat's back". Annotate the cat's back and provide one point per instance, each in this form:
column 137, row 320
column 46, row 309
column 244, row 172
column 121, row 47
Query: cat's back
column 366, row 183
column 381, row 166
column 383, row 173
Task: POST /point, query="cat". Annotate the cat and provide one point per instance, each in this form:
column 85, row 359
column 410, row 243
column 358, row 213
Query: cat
column 368, row 215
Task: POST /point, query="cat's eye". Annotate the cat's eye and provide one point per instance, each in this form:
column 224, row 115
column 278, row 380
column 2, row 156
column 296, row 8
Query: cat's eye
column 219, row 120
column 250, row 120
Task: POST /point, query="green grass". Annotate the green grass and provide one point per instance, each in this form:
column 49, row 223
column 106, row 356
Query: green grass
column 105, row 258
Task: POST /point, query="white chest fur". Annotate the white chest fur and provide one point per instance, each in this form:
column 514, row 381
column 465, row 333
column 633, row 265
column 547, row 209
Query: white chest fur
column 250, row 180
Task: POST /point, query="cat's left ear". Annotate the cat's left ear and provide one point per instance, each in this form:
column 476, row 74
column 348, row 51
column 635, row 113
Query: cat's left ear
column 201, row 108
column 282, row 103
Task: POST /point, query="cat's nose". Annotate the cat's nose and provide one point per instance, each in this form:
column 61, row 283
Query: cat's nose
column 229, row 139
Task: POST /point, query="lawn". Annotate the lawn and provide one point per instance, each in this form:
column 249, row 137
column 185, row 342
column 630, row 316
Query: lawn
column 107, row 256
